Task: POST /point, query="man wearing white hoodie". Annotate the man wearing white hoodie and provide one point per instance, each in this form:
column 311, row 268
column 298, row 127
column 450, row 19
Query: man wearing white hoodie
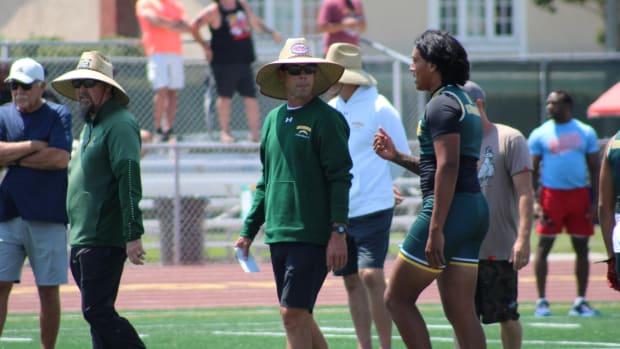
column 371, row 199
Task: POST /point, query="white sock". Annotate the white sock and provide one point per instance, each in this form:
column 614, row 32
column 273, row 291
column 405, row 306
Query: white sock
column 579, row 300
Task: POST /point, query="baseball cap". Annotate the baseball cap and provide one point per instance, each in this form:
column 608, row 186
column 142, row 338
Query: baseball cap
column 26, row 70
column 474, row 91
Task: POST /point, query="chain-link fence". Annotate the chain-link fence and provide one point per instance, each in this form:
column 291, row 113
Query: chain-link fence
column 196, row 190
column 194, row 120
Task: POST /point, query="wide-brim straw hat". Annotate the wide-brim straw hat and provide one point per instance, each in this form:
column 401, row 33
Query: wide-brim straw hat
column 350, row 57
column 297, row 51
column 92, row 65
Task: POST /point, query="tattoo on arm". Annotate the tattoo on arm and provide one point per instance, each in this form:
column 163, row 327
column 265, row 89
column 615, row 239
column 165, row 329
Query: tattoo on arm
column 410, row 162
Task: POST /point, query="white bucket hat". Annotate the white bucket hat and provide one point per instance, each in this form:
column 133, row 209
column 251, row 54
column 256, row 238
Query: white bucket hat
column 296, row 51
column 92, row 65
column 350, row 58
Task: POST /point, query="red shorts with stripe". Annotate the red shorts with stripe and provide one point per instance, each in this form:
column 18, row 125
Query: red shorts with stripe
column 565, row 208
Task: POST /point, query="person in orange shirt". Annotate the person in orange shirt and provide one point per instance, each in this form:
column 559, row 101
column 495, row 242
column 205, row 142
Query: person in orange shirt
column 162, row 22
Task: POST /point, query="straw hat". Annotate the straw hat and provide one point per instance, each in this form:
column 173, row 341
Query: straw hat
column 92, row 65
column 297, row 51
column 350, row 58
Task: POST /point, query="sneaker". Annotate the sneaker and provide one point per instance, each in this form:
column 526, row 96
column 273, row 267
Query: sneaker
column 583, row 309
column 167, row 135
column 542, row 309
column 158, row 136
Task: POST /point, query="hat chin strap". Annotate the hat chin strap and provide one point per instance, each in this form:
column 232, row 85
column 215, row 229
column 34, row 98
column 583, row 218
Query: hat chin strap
column 93, row 109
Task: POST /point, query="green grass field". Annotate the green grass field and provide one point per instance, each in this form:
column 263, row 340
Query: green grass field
column 261, row 327
column 253, row 328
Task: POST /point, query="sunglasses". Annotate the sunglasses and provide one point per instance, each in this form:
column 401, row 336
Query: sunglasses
column 297, row 69
column 88, row 83
column 14, row 85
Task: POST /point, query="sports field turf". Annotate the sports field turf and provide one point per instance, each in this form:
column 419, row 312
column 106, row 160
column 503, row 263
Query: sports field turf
column 260, row 327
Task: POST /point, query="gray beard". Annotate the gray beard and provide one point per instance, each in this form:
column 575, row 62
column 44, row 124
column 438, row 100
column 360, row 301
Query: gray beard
column 85, row 110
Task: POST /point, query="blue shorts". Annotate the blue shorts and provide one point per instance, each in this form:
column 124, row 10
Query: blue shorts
column 368, row 239
column 300, row 270
column 234, row 77
column 465, row 228
column 44, row 243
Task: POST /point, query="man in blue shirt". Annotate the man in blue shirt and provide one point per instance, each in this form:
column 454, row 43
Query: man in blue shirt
column 35, row 144
column 565, row 158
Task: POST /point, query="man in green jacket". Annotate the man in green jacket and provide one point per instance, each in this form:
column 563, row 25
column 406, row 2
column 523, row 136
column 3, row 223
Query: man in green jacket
column 103, row 196
column 303, row 195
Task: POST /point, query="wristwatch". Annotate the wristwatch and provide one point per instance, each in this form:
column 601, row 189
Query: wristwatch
column 340, row 229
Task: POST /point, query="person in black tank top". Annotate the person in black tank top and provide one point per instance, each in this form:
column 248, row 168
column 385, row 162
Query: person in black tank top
column 231, row 54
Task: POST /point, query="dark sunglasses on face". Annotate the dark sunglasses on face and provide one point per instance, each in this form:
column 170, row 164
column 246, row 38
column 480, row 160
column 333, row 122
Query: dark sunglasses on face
column 14, row 85
column 88, row 83
column 295, row 69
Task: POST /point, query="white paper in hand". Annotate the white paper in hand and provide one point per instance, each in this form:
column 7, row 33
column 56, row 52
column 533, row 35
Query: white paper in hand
column 248, row 265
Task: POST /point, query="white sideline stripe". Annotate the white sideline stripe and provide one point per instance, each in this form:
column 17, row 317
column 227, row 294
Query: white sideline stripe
column 351, row 329
column 553, row 325
column 588, row 345
column 337, row 329
column 15, row 339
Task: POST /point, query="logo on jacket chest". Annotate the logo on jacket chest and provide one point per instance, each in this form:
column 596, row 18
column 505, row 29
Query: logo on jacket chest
column 303, row 131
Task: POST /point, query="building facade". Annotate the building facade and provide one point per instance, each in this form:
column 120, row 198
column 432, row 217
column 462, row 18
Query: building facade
column 486, row 27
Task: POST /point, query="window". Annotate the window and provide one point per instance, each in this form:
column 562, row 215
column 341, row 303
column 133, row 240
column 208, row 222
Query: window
column 503, row 17
column 292, row 18
column 481, row 25
column 449, row 16
column 477, row 18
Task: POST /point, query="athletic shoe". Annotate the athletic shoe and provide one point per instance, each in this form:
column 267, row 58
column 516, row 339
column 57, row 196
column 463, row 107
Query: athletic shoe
column 158, row 136
column 583, row 309
column 542, row 309
column 167, row 135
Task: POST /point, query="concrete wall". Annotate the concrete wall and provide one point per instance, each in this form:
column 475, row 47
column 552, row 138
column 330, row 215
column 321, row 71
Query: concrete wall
column 571, row 29
column 394, row 23
column 65, row 19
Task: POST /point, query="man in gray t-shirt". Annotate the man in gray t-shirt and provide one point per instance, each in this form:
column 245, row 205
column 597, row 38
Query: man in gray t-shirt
column 505, row 175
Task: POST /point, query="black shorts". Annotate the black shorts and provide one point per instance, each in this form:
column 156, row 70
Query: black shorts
column 234, row 77
column 300, row 270
column 496, row 292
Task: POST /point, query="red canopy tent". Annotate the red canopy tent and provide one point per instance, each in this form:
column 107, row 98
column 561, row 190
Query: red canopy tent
column 608, row 104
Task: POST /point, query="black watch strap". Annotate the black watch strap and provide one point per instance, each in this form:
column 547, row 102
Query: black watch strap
column 340, row 229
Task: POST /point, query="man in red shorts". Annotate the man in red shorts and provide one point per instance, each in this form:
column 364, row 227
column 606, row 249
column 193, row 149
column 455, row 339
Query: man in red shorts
column 565, row 154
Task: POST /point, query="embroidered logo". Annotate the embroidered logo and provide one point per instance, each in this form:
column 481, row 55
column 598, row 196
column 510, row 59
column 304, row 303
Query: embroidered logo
column 303, row 131
column 357, row 124
column 300, row 49
column 85, row 63
column 288, row 119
